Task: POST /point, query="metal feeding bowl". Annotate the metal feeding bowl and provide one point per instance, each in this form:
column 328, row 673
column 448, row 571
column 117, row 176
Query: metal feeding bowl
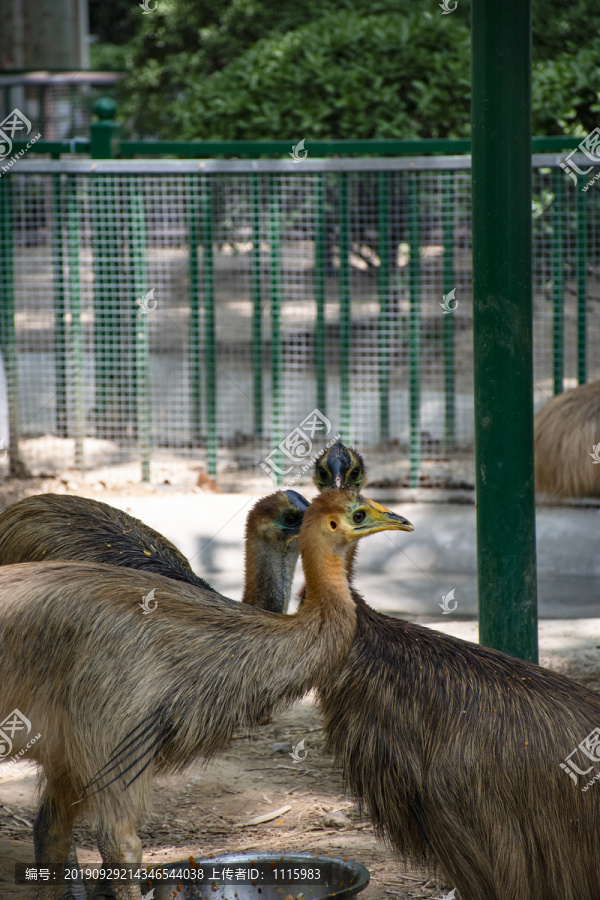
column 266, row 876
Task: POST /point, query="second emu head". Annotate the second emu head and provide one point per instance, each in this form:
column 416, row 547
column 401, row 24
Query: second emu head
column 340, row 467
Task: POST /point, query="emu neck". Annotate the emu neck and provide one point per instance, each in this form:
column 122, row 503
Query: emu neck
column 326, row 580
column 269, row 575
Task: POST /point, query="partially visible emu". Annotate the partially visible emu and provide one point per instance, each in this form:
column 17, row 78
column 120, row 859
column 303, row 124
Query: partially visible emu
column 118, row 696
column 340, row 467
column 458, row 753
column 55, row 526
column 566, row 431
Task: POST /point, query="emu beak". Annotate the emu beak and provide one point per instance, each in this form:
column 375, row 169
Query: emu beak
column 379, row 518
column 336, row 469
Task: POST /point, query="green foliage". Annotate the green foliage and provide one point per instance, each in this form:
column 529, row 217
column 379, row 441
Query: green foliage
column 249, row 69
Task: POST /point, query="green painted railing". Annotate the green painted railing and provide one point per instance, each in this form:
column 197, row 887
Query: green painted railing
column 414, row 351
column 76, row 332
column 96, row 147
column 8, row 337
column 331, row 201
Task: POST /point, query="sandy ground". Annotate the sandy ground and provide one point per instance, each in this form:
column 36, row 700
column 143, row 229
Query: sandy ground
column 203, row 810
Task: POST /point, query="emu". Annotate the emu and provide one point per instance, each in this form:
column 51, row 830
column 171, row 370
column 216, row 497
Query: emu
column 55, row 526
column 566, row 431
column 469, row 760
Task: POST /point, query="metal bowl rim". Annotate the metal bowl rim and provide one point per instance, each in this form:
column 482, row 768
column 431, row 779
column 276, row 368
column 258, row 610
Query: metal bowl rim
column 364, row 876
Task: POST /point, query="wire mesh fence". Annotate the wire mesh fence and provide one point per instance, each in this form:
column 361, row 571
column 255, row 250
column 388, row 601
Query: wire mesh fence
column 185, row 310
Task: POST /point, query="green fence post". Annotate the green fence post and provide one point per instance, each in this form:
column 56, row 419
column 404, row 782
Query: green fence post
column 276, row 354
column 76, row 332
column 581, row 284
column 194, row 336
column 345, row 308
column 558, row 294
column 107, row 313
column 414, row 287
column 210, row 337
column 449, row 377
column 60, row 326
column 103, row 132
column 320, row 324
column 7, row 322
column 139, row 321
column 502, row 325
column 256, row 294
column 383, row 290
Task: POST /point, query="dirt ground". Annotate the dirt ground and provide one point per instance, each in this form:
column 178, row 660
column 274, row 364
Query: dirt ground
column 206, row 809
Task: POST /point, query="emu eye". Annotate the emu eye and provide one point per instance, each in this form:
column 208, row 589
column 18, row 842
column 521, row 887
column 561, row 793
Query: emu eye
column 359, row 516
column 355, row 474
column 333, row 524
column 290, row 520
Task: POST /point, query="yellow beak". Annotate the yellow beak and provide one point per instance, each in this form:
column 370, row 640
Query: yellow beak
column 379, row 518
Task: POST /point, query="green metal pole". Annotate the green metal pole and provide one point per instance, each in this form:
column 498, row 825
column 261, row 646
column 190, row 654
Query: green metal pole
column 345, row 308
column 449, row 284
column 581, row 283
column 194, row 345
column 256, row 293
column 76, row 328
column 60, row 326
column 210, row 337
column 8, row 336
column 558, row 294
column 140, row 325
column 383, row 289
column 320, row 325
column 414, row 290
column 502, row 325
column 107, row 309
column 107, row 322
column 276, row 355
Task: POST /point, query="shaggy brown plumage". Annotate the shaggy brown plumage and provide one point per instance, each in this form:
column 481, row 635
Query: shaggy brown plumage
column 118, row 696
column 566, row 431
column 455, row 751
column 55, row 526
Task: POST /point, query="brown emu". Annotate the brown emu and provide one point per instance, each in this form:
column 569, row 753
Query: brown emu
column 118, row 696
column 455, row 750
column 55, row 526
column 566, row 431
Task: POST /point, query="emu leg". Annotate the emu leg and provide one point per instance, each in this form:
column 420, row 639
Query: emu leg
column 52, row 841
column 75, row 890
column 119, row 847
